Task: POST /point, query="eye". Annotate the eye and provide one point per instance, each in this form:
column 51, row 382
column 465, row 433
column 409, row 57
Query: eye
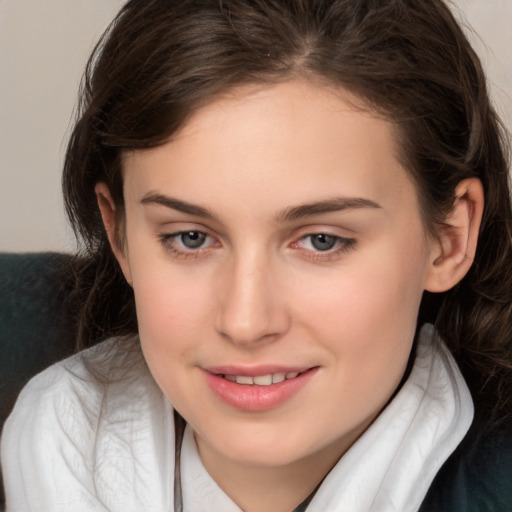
column 186, row 243
column 324, row 244
column 191, row 239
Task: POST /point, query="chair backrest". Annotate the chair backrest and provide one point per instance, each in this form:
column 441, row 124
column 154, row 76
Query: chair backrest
column 36, row 323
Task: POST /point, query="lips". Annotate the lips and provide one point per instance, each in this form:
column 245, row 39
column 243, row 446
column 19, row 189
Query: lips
column 257, row 389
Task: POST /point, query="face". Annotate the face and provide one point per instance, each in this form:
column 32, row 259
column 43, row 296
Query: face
column 278, row 259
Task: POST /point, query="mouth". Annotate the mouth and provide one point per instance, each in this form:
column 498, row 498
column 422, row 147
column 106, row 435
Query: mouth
column 263, row 389
column 262, row 380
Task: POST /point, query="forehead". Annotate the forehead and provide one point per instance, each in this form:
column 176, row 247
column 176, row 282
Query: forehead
column 304, row 140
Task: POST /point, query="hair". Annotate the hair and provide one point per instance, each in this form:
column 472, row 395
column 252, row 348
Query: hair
column 409, row 60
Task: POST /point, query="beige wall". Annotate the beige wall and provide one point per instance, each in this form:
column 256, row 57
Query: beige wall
column 44, row 45
column 491, row 21
column 43, row 48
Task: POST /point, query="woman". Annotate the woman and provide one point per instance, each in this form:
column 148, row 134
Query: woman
column 274, row 198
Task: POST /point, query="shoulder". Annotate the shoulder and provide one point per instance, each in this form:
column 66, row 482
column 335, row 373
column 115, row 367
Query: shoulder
column 71, row 392
column 478, row 475
column 64, row 397
column 47, row 437
column 77, row 429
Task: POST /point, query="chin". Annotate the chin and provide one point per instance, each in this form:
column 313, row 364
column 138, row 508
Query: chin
column 265, row 446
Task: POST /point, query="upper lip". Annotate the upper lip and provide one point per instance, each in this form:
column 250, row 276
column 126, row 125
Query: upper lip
column 254, row 371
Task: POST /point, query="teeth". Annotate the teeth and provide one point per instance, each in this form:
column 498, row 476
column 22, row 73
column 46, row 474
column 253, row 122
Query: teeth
column 261, row 380
column 278, row 377
column 244, row 380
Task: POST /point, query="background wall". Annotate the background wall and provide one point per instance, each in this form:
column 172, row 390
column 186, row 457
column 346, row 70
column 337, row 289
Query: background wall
column 44, row 45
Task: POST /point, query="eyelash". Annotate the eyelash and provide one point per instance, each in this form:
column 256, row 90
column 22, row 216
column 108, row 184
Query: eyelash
column 342, row 244
column 169, row 243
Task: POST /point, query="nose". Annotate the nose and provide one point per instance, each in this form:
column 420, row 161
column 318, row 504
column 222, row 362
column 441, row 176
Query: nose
column 251, row 308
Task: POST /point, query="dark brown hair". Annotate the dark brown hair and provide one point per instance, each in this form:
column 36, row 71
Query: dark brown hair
column 407, row 59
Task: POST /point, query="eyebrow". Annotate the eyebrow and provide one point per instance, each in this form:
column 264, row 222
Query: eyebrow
column 328, row 206
column 289, row 214
column 177, row 204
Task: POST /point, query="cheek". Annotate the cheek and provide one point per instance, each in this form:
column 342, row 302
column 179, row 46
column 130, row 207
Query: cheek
column 366, row 312
column 367, row 297
column 172, row 310
column 172, row 323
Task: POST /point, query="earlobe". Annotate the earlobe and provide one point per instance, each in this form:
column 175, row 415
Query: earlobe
column 108, row 214
column 454, row 249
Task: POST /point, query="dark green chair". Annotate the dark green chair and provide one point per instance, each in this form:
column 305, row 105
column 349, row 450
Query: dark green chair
column 36, row 321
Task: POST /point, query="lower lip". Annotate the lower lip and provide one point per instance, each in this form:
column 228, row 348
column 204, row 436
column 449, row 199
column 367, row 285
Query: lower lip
column 254, row 397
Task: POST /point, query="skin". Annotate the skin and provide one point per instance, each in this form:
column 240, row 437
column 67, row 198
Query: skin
column 259, row 291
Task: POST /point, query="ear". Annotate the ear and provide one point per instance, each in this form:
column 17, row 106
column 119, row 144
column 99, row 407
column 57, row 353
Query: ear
column 454, row 249
column 108, row 214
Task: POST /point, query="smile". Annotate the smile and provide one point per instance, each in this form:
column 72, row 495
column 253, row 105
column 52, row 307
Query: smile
column 259, row 392
column 261, row 380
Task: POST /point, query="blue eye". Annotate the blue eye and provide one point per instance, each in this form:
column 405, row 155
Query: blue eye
column 323, row 242
column 192, row 239
column 185, row 244
column 319, row 244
